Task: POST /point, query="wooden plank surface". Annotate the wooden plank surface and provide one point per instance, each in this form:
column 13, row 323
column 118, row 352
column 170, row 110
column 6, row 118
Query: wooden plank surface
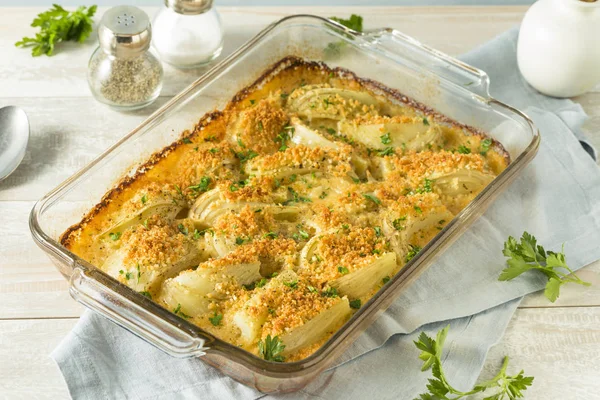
column 559, row 347
column 557, row 343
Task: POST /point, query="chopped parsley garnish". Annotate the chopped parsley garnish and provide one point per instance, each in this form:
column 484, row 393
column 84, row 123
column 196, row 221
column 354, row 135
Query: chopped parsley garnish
column 240, row 241
column 398, row 223
column 261, row 283
column 271, row 349
column 343, row 270
column 426, row 188
column 144, row 198
column 187, row 141
column 179, row 190
column 418, row 210
column 260, row 126
column 385, row 152
column 463, row 149
column 271, row 235
column 484, row 147
column 377, row 230
column 252, row 102
column 330, row 292
column 115, row 236
column 385, row 139
column 331, row 131
column 216, row 319
column 177, row 311
column 323, row 195
column 296, row 198
column 303, row 234
column 197, row 234
column 245, row 156
column 214, row 150
column 283, row 95
column 385, row 279
column 373, row 198
column 234, row 187
column 241, row 144
column 182, row 229
column 147, row 294
column 284, row 136
column 412, row 252
column 355, row 304
column 202, row 186
column 292, row 284
column 425, row 121
column 210, row 138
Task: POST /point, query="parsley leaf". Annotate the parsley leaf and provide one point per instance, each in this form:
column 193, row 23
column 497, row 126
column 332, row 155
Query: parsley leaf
column 292, row 284
column 355, row 304
column 216, row 319
column 412, row 252
column 343, row 270
column 330, row 292
column 59, row 25
column 398, row 223
column 271, row 349
column 528, row 255
column 385, row 152
column 355, row 22
column 178, row 311
column 373, row 198
column 202, row 186
column 484, row 147
column 115, row 236
column 439, row 387
column 464, row 149
column 385, row 139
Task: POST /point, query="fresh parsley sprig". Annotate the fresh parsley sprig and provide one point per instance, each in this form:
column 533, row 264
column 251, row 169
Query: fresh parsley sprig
column 271, row 349
column 528, row 255
column 59, row 25
column 439, row 388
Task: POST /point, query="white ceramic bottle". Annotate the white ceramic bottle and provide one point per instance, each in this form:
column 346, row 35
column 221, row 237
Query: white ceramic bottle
column 559, row 46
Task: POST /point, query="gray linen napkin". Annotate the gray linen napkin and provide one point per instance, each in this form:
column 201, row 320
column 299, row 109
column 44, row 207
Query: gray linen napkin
column 100, row 360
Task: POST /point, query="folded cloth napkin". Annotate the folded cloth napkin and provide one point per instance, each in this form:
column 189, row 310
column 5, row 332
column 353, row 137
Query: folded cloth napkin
column 100, row 360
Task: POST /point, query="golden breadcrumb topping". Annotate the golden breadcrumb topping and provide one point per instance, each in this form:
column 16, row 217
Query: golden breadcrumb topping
column 313, row 174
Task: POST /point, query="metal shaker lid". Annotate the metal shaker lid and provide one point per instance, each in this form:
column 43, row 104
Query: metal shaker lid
column 189, row 7
column 124, row 31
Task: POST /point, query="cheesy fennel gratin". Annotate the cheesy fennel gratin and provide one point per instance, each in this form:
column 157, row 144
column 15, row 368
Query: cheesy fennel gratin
column 272, row 221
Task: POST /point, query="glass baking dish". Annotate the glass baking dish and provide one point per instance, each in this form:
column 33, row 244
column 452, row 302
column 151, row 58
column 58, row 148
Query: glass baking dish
column 425, row 75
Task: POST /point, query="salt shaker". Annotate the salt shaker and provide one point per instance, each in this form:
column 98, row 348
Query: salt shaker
column 123, row 73
column 187, row 33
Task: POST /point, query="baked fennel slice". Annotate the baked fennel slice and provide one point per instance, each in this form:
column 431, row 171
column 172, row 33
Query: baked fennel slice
column 151, row 252
column 293, row 310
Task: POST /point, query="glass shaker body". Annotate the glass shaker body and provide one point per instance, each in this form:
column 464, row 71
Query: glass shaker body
column 125, row 83
column 187, row 40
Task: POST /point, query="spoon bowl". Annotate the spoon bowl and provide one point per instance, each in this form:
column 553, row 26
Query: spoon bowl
column 14, row 135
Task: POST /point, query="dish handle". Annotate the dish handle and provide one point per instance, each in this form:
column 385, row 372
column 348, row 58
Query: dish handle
column 92, row 288
column 411, row 53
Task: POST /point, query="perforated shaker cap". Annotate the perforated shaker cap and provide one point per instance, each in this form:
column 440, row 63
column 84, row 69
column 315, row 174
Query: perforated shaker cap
column 189, row 7
column 124, row 31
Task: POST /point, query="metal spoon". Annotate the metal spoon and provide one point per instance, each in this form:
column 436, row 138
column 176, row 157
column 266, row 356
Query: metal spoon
column 14, row 135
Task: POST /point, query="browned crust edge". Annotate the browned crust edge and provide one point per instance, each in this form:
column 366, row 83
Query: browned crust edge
column 67, row 237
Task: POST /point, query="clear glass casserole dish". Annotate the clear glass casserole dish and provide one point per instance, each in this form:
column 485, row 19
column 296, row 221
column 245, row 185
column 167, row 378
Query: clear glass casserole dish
column 442, row 83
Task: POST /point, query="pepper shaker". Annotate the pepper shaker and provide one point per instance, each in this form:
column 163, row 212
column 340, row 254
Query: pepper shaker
column 187, row 33
column 123, row 73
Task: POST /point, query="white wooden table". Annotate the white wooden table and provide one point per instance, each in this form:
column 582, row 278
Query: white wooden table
column 557, row 343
